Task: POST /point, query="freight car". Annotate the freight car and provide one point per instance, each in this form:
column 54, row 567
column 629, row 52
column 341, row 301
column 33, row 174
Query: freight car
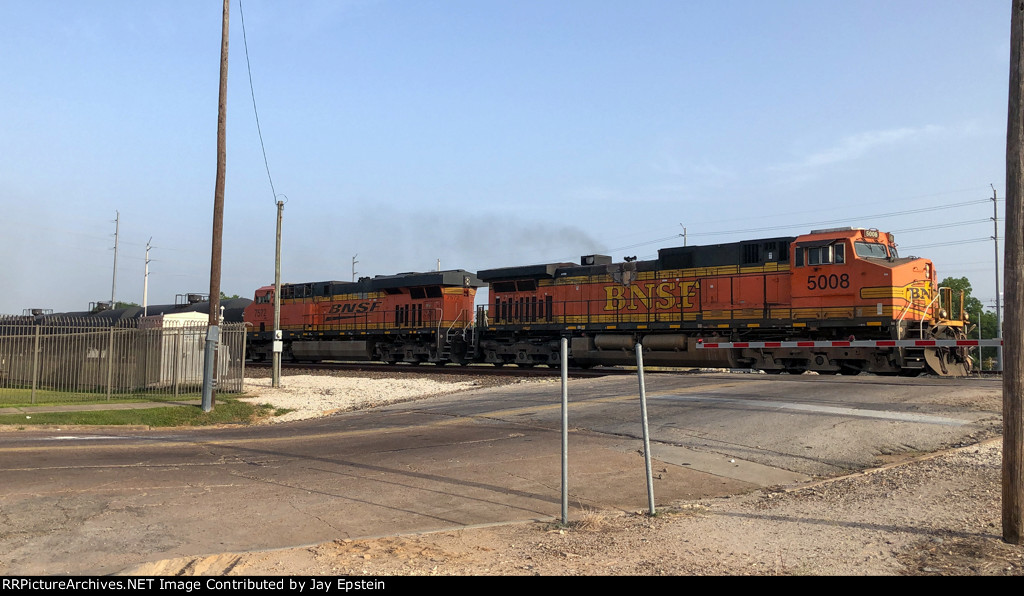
column 835, row 284
column 410, row 317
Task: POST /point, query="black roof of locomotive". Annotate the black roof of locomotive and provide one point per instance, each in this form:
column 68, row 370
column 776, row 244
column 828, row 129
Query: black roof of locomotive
column 680, row 257
column 718, row 255
column 523, row 272
column 451, row 278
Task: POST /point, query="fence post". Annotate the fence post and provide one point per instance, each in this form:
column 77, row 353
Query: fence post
column 241, row 378
column 175, row 357
column 110, row 362
column 35, row 364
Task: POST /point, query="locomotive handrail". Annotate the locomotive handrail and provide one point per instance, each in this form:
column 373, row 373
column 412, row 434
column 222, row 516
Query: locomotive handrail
column 454, row 322
column 910, row 305
column 938, row 294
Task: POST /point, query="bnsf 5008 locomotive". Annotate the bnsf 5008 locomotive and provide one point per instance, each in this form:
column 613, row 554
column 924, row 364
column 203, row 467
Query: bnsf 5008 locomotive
column 836, row 284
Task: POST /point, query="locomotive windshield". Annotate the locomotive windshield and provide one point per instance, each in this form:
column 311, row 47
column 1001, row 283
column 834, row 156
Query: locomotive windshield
column 871, row 250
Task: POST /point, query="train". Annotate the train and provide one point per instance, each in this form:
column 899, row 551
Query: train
column 776, row 302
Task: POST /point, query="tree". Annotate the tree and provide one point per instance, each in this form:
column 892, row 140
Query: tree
column 972, row 305
column 224, row 296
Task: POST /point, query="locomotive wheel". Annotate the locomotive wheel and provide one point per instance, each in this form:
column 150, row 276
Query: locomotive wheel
column 943, row 363
column 948, row 362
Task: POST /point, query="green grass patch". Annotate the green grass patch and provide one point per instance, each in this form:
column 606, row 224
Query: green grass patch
column 23, row 397
column 225, row 411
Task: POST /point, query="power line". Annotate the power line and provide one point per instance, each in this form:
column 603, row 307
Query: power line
column 845, row 219
column 253, row 93
column 811, row 225
column 942, row 226
column 946, row 243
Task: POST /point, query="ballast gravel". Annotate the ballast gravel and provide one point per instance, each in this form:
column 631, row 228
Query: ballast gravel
column 312, row 396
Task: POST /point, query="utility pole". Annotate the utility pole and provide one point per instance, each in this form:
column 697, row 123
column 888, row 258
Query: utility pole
column 117, row 237
column 275, row 376
column 1013, row 275
column 213, row 333
column 145, row 282
column 354, row 261
column 999, row 317
column 683, row 234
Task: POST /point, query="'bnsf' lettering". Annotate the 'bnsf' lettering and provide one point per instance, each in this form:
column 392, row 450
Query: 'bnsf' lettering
column 918, row 294
column 353, row 308
column 657, row 296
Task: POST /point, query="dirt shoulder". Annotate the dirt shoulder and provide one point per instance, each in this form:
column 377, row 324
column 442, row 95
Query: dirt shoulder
column 937, row 515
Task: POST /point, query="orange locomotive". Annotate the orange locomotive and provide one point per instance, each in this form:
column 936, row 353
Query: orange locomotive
column 411, row 317
column 830, row 284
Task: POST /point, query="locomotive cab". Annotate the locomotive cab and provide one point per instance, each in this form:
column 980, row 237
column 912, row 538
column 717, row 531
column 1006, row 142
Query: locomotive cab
column 853, row 281
column 847, row 274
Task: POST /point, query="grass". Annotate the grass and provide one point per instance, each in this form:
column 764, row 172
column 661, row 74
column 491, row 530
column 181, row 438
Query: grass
column 10, row 397
column 225, row 411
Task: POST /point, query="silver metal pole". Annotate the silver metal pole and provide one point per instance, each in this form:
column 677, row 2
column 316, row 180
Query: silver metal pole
column 643, row 417
column 564, row 356
column 209, row 358
column 999, row 315
column 35, row 363
column 145, row 283
column 275, row 376
column 981, row 361
column 117, row 236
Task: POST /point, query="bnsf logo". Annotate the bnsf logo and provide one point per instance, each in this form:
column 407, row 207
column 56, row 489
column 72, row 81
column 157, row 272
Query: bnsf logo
column 919, row 294
column 352, row 308
column 659, row 296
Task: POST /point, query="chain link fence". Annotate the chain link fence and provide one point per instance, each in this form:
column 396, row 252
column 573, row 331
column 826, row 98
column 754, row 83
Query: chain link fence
column 68, row 360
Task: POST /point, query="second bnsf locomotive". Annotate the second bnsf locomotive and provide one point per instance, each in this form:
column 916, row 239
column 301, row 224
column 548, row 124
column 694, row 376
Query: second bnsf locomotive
column 835, row 284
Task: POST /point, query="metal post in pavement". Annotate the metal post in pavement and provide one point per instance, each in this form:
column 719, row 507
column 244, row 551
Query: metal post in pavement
column 643, row 417
column 564, row 356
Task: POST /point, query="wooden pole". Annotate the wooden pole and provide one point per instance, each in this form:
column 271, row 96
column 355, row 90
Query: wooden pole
column 218, row 213
column 1013, row 277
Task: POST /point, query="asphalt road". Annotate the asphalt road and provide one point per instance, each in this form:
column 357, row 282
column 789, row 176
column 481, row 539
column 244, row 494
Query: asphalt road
column 96, row 501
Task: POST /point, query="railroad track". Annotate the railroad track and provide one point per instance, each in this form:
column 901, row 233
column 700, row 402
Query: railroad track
column 431, row 369
column 487, row 370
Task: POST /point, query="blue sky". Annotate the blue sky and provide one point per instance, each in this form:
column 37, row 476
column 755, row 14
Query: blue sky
column 485, row 133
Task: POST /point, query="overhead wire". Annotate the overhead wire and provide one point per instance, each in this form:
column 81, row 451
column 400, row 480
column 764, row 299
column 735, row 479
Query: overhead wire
column 811, row 225
column 252, row 91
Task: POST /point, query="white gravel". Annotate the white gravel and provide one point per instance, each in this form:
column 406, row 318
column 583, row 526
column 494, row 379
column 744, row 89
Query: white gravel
column 312, row 396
